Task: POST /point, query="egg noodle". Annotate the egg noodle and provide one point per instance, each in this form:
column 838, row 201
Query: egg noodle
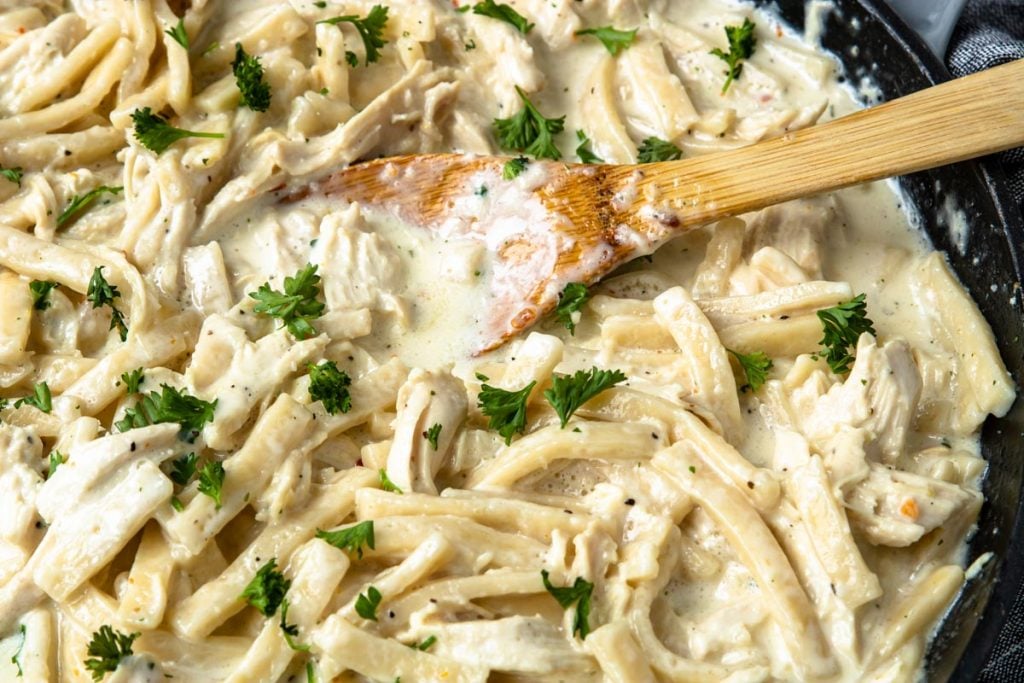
column 240, row 439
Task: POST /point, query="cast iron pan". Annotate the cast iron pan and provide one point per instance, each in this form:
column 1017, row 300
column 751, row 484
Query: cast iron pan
column 870, row 40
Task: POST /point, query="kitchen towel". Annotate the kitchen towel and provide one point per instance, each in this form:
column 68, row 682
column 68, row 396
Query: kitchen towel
column 991, row 32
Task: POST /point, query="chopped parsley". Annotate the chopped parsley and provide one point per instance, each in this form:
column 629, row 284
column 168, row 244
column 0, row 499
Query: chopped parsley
column 755, row 367
column 432, row 433
column 505, row 410
column 178, row 34
column 329, row 385
column 41, row 293
column 567, row 393
column 290, row 631
column 386, row 483
column 583, row 150
column 106, row 650
column 155, row 134
column 296, row 306
column 132, row 380
column 102, row 293
column 371, row 30
column 183, row 468
column 741, row 46
column 367, row 603
column 655, row 149
column 529, row 131
column 425, row 644
column 211, row 481
column 12, row 174
column 267, row 589
column 40, row 398
column 16, row 658
column 352, row 538
column 843, row 324
column 502, row 12
column 169, row 405
column 249, row 78
column 80, row 203
column 513, row 167
column 56, row 460
column 578, row 593
column 570, row 301
column 613, row 39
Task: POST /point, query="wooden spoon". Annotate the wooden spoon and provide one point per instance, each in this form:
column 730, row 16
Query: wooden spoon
column 560, row 222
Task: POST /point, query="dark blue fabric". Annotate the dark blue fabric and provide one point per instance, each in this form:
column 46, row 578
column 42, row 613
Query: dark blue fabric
column 991, row 32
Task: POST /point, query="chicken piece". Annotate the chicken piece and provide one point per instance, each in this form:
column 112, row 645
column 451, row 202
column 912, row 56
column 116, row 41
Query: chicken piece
column 895, row 508
column 20, row 459
column 431, row 407
column 221, row 369
column 880, row 395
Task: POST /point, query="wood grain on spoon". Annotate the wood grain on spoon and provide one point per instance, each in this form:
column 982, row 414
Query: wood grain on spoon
column 604, row 215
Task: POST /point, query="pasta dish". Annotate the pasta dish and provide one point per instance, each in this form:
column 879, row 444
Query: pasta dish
column 245, row 435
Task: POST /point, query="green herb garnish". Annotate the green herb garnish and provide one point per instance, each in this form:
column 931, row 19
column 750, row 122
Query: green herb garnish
column 106, row 650
column 501, row 12
column 366, row 604
column 249, row 78
column 267, row 589
column 755, row 367
column 352, row 538
column 655, row 149
column 567, row 393
column 39, row 399
column 329, row 385
column 80, row 203
column 155, row 134
column 579, row 593
column 613, row 39
column 506, row 410
column 741, row 46
column 41, row 293
column 296, row 306
column 371, row 30
column 843, row 324
column 529, row 131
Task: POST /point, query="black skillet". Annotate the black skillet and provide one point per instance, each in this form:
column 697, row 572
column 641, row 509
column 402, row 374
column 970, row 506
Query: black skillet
column 870, row 40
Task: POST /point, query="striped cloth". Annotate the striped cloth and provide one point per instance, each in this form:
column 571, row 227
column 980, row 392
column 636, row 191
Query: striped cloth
column 991, row 32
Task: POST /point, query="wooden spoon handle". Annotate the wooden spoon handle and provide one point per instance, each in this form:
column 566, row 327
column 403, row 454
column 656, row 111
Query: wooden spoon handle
column 968, row 117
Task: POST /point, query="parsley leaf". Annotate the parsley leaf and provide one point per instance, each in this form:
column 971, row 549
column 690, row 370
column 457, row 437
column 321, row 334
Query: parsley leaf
column 40, row 398
column 79, row 203
column 583, row 150
column 249, row 78
column 310, row 678
column 613, row 39
column 155, row 134
column 567, row 393
column 579, row 593
column 352, row 538
column 529, row 131
column 386, row 483
column 489, row 8
column 178, row 34
column 12, row 174
column 267, row 589
column 211, row 481
column 655, row 149
column 513, row 167
column 56, row 460
column 296, row 306
column 570, row 301
column 506, row 410
column 41, row 293
column 106, row 650
column 183, row 468
column 366, row 604
column 755, row 367
column 371, row 30
column 843, row 324
column 329, row 385
column 132, row 380
column 431, row 434
column 102, row 293
column 169, row 405
column 16, row 658
column 741, row 46
column 290, row 630
column 425, row 645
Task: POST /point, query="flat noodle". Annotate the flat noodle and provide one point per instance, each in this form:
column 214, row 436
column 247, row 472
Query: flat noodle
column 284, row 475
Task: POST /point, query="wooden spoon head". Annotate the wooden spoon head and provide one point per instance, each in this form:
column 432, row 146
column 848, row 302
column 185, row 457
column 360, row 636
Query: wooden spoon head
column 554, row 224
